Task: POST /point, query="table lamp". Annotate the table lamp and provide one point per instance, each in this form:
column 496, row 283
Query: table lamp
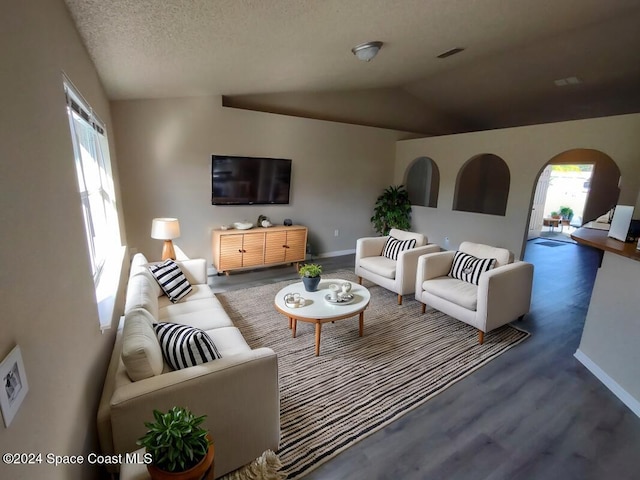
column 166, row 229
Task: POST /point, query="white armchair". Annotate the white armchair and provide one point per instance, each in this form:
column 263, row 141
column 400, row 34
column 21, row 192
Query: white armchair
column 503, row 294
column 397, row 275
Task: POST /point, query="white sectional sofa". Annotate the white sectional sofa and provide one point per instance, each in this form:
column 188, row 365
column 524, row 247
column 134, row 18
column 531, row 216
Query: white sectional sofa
column 238, row 392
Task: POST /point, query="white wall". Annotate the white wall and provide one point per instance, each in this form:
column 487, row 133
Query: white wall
column 49, row 305
column 609, row 344
column 164, row 154
column 525, row 150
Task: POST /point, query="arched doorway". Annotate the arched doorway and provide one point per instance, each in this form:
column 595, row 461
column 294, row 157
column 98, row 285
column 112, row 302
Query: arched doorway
column 602, row 190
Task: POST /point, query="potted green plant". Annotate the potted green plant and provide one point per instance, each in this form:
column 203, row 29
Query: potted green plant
column 555, row 215
column 310, row 274
column 566, row 213
column 392, row 210
column 180, row 448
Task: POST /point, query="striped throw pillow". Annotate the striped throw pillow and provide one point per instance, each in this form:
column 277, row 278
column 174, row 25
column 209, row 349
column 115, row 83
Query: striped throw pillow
column 469, row 268
column 171, row 280
column 393, row 247
column 184, row 346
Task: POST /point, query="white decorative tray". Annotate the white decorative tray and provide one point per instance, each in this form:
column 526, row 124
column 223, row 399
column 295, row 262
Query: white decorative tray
column 243, row 225
column 346, row 300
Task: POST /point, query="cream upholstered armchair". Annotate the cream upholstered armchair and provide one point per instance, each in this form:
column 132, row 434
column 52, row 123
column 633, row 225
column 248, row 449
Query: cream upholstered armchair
column 390, row 261
column 486, row 292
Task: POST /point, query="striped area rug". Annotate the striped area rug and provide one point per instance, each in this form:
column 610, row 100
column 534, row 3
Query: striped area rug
column 358, row 384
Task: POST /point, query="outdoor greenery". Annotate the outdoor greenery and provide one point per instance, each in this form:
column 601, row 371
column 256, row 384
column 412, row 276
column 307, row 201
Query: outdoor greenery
column 572, row 168
column 566, row 213
column 392, row 210
column 175, row 440
column 310, row 270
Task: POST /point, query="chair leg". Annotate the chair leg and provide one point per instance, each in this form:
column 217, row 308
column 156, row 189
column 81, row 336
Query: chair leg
column 424, row 307
column 480, row 336
column 399, row 299
column 360, row 280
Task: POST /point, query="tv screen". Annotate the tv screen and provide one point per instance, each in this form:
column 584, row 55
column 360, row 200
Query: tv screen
column 249, row 180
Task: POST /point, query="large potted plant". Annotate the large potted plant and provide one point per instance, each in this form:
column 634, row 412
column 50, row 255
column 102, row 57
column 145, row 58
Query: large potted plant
column 392, row 210
column 180, row 448
column 566, row 213
column 310, row 274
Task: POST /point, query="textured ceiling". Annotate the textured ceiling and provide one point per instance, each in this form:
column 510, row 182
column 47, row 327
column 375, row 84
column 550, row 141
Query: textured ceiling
column 294, row 57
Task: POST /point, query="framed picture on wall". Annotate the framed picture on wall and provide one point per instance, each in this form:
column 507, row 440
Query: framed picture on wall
column 13, row 384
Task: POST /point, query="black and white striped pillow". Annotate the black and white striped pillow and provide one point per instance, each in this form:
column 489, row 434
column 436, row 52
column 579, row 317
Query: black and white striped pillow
column 468, row 268
column 171, row 280
column 393, row 247
column 184, row 346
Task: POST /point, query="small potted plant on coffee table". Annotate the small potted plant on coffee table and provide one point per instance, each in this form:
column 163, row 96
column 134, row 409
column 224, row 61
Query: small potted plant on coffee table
column 179, row 447
column 310, row 274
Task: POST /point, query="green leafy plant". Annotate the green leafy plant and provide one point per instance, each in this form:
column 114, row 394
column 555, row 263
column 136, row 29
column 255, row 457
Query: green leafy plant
column 310, row 270
column 566, row 212
column 392, row 210
column 175, row 440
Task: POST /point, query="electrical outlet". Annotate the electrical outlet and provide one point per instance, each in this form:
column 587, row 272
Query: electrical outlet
column 336, row 232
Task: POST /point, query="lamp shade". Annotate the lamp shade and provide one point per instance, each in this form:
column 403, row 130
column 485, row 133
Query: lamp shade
column 165, row 228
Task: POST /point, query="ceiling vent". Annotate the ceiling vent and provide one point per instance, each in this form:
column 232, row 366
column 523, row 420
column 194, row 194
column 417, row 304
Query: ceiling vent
column 563, row 82
column 448, row 53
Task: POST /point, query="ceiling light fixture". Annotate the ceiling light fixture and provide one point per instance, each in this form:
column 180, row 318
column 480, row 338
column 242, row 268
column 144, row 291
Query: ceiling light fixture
column 448, row 53
column 366, row 51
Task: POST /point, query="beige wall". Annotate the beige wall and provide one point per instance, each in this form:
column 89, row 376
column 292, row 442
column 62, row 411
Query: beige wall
column 49, row 305
column 611, row 331
column 164, row 154
column 525, row 150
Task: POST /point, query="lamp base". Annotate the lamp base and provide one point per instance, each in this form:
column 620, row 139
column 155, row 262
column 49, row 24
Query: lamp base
column 167, row 251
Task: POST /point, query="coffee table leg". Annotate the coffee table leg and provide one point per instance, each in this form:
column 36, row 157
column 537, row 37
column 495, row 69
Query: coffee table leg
column 361, row 323
column 318, row 331
column 290, row 323
column 293, row 327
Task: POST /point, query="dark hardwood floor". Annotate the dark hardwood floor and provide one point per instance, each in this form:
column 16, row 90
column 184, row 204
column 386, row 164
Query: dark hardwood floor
column 533, row 413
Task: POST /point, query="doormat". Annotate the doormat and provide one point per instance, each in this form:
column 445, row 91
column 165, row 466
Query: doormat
column 552, row 244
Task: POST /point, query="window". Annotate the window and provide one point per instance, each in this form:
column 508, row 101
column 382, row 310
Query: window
column 93, row 168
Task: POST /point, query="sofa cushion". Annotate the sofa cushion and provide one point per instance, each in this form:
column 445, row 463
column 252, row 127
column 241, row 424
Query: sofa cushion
column 141, row 353
column 383, row 266
column 455, row 291
column 229, row 341
column 468, row 268
column 198, row 292
column 184, row 346
column 393, row 247
column 204, row 314
column 142, row 293
column 171, row 280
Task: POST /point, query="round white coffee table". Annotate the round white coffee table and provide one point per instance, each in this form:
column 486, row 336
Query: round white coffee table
column 318, row 310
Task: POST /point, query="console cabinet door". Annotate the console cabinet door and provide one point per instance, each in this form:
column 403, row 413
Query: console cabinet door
column 275, row 247
column 252, row 249
column 230, row 252
column 296, row 245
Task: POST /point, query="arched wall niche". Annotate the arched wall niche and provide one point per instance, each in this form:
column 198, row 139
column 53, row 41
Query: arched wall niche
column 422, row 181
column 482, row 185
column 604, row 190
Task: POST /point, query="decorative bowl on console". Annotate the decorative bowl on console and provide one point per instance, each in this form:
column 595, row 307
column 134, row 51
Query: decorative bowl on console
column 243, row 225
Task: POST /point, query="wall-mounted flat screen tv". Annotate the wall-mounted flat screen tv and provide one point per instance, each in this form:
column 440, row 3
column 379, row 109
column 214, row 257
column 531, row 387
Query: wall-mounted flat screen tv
column 249, row 180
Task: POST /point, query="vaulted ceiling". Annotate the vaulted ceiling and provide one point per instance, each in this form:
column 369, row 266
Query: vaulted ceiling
column 294, row 57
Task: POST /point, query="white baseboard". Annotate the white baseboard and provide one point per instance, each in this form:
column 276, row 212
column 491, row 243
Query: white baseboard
column 610, row 383
column 336, row 253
